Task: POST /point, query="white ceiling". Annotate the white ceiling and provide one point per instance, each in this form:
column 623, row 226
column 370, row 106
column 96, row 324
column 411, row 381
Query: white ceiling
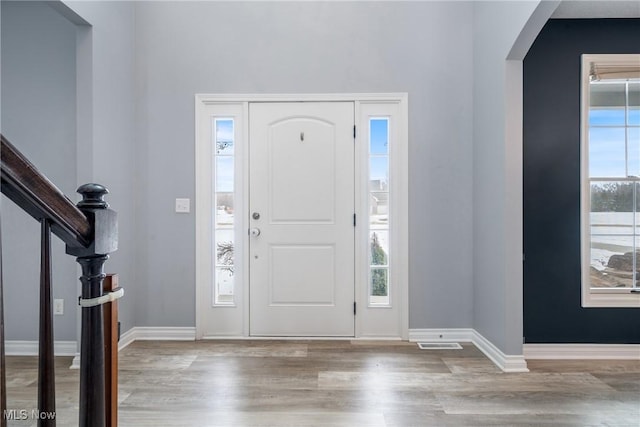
column 597, row 9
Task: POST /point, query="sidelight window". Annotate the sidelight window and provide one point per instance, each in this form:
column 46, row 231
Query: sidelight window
column 223, row 241
column 379, row 211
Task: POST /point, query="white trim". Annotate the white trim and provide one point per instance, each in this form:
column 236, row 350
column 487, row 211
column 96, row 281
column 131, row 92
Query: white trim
column 268, row 338
column 285, row 338
column 212, row 99
column 383, row 320
column 403, row 204
column 227, row 316
column 75, row 363
column 444, row 335
column 127, row 338
column 582, row 351
column 506, row 362
column 145, row 333
column 30, row 348
column 593, row 298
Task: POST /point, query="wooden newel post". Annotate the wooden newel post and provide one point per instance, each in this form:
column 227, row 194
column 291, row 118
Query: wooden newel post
column 92, row 259
column 92, row 405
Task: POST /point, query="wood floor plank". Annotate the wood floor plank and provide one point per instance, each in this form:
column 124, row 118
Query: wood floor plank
column 470, row 365
column 592, row 366
column 533, row 403
column 528, row 382
column 142, row 361
column 629, row 381
column 155, row 418
column 341, row 383
column 424, row 419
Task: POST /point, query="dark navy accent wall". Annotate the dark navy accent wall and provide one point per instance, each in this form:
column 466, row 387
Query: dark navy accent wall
column 552, row 292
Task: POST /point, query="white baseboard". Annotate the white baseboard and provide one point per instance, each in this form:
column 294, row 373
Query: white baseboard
column 441, row 335
column 145, row 333
column 30, row 348
column 507, row 363
column 127, row 338
column 75, row 363
column 582, row 351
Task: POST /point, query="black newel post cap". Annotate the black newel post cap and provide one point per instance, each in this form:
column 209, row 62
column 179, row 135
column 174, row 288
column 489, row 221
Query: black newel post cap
column 93, row 196
column 104, row 222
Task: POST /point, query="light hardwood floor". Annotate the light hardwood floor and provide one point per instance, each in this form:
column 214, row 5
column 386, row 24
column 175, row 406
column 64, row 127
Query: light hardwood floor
column 341, row 383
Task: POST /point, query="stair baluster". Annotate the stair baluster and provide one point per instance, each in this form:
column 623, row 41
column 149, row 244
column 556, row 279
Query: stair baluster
column 46, row 362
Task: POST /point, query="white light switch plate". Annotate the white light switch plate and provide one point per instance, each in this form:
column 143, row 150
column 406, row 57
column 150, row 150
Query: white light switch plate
column 58, row 306
column 183, row 205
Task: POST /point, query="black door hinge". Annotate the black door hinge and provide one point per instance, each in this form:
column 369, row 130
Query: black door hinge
column 354, row 220
column 354, row 131
column 354, row 308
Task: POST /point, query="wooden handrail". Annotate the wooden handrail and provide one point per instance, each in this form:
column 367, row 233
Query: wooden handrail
column 90, row 231
column 36, row 195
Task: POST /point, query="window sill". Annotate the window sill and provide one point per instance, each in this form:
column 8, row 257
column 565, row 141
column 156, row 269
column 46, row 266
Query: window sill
column 613, row 300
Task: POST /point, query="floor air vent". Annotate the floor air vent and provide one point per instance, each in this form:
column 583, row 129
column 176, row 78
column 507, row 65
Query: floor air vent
column 439, row 346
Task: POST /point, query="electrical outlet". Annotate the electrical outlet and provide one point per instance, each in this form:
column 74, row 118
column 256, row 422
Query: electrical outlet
column 183, row 205
column 58, row 307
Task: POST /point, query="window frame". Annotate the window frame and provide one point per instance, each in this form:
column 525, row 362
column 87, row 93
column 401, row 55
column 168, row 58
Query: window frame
column 386, row 322
column 596, row 297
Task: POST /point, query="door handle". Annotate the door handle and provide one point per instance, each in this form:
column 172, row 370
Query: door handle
column 255, row 232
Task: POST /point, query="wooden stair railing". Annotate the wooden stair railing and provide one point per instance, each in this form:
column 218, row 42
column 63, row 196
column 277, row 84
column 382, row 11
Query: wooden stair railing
column 36, row 195
column 90, row 233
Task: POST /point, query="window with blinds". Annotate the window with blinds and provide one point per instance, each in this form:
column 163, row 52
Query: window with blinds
column 611, row 179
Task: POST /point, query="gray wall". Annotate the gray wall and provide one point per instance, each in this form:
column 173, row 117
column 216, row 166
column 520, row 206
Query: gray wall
column 107, row 146
column 497, row 172
column 39, row 117
column 148, row 59
column 68, row 103
column 424, row 49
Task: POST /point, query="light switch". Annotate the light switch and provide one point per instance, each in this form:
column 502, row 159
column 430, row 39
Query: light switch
column 183, row 205
column 58, row 307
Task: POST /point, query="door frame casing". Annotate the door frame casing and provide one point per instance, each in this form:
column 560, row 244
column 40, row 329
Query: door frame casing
column 234, row 319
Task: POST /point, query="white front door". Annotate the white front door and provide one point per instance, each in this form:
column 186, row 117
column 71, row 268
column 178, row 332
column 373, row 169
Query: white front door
column 301, row 217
